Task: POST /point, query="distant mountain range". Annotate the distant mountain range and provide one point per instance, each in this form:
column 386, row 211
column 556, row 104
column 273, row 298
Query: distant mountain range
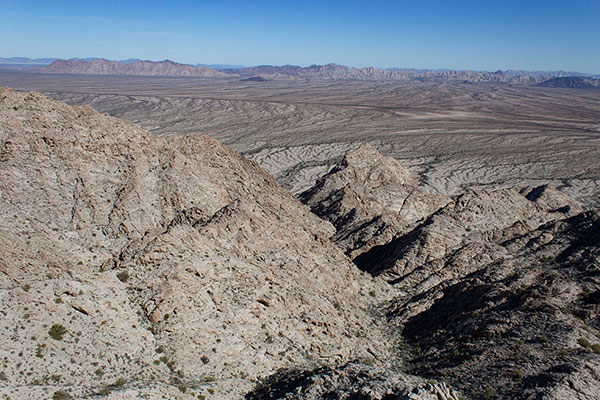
column 48, row 61
column 99, row 66
column 571, row 82
column 146, row 68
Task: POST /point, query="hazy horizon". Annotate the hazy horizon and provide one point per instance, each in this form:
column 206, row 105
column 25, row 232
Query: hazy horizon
column 234, row 65
column 465, row 35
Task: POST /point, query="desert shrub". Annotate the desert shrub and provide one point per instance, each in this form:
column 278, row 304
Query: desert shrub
column 490, row 393
column 596, row 348
column 123, row 276
column 517, row 374
column 57, row 332
column 583, row 342
column 61, row 395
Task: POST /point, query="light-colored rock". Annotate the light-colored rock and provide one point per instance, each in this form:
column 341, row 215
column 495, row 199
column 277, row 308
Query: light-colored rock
column 168, row 261
column 370, row 199
column 350, row 381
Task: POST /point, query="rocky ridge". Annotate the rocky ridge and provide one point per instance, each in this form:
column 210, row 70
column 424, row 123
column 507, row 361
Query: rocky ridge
column 499, row 286
column 134, row 265
column 370, row 199
column 342, row 72
column 571, row 82
column 349, row 381
column 145, row 68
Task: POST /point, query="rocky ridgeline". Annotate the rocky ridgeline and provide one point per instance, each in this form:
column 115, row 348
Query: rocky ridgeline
column 139, row 266
column 285, row 72
column 499, row 289
column 143, row 68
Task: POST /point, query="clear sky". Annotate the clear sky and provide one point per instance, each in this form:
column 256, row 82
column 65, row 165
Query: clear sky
column 482, row 35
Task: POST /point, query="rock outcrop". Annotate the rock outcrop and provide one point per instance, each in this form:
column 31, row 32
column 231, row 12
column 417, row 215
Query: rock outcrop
column 350, row 381
column 498, row 286
column 522, row 327
column 416, row 240
column 134, row 265
column 370, row 199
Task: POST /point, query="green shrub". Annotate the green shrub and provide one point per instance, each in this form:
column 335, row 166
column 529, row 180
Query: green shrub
column 61, row 395
column 490, row 393
column 596, row 348
column 517, row 374
column 57, row 332
column 583, row 342
column 123, row 276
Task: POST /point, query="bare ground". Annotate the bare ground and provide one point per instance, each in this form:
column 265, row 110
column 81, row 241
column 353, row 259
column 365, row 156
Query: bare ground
column 451, row 135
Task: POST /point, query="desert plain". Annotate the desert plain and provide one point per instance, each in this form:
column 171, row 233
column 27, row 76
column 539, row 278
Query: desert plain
column 452, row 135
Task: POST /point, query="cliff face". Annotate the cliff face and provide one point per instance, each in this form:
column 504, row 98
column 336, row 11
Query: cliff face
column 152, row 266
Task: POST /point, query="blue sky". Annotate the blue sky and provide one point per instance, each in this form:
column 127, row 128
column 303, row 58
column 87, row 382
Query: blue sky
column 482, row 35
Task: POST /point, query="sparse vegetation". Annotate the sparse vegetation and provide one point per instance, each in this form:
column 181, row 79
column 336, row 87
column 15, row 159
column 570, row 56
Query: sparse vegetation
column 57, row 332
column 490, row 393
column 123, row 276
column 61, row 395
column 517, row 374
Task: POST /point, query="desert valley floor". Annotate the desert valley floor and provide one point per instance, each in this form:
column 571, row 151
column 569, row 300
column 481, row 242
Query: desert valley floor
column 451, row 135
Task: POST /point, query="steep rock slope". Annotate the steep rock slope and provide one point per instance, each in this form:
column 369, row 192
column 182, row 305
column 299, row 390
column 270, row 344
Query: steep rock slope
column 370, row 199
column 461, row 236
column 522, row 327
column 499, row 286
column 415, row 240
column 134, row 265
column 347, row 382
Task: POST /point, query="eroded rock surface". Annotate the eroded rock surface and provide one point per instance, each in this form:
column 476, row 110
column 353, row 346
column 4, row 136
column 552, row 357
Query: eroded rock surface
column 370, row 199
column 498, row 286
column 134, row 265
column 522, row 327
column 350, row 381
